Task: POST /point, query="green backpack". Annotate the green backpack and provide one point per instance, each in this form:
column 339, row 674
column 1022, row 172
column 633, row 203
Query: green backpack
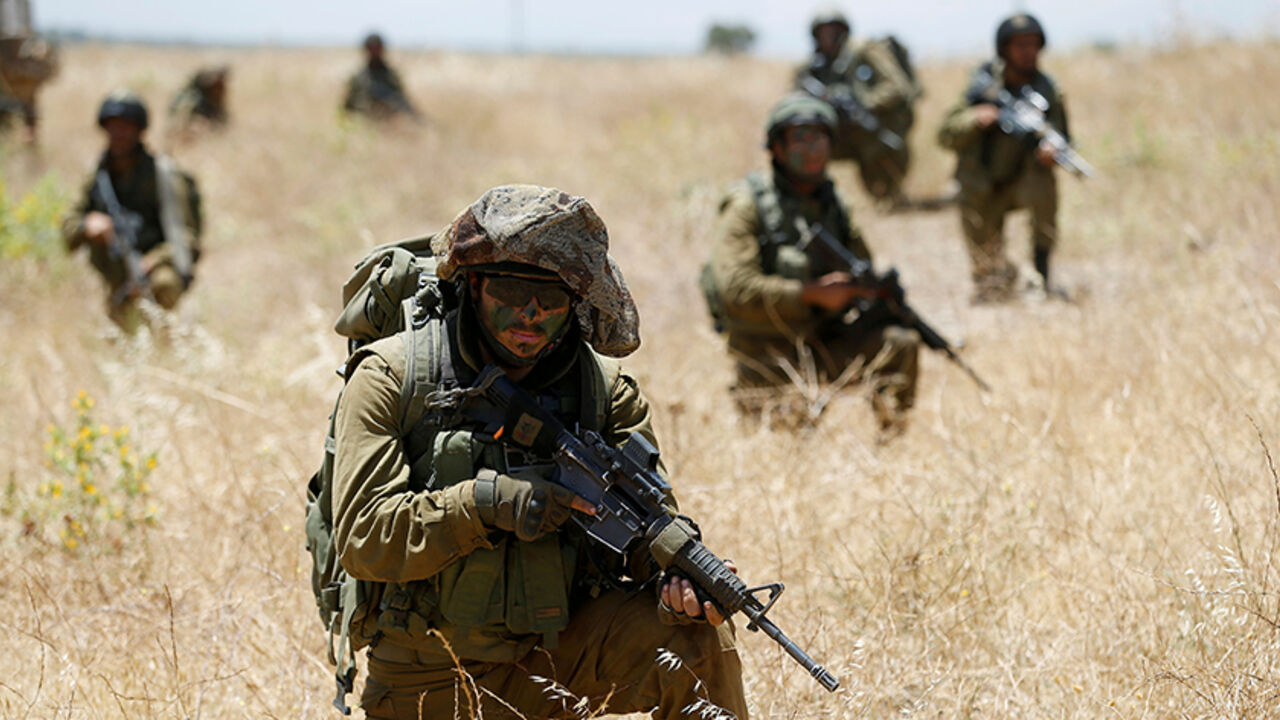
column 393, row 288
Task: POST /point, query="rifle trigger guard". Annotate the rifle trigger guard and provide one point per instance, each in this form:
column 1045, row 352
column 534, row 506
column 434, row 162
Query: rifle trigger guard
column 775, row 592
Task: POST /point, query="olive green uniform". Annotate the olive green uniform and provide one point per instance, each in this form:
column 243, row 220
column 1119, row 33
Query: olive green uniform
column 510, row 611
column 760, row 280
column 999, row 173
column 873, row 76
column 139, row 191
column 377, row 91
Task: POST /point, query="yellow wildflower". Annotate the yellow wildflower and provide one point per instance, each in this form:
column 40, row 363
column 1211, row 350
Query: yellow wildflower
column 144, row 487
column 51, row 429
column 151, row 463
column 122, row 431
column 90, row 489
column 72, row 543
column 56, row 490
column 124, row 452
column 103, row 429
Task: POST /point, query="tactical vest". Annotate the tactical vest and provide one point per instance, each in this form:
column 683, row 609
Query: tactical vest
column 786, row 248
column 494, row 603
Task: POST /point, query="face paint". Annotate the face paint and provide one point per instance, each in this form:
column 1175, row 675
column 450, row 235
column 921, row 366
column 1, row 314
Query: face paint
column 523, row 332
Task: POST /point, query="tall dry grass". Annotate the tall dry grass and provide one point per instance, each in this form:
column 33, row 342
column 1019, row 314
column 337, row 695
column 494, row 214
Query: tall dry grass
column 1097, row 538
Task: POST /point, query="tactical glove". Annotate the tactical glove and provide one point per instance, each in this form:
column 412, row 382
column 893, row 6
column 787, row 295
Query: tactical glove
column 524, row 504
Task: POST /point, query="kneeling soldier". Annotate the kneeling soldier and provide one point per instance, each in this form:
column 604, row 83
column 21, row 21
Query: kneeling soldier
column 781, row 284
column 139, row 215
column 471, row 546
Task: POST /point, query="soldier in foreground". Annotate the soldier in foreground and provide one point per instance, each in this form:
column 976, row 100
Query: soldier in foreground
column 203, row 101
column 1000, row 170
column 779, row 275
column 376, row 90
column 873, row 90
column 469, row 544
column 139, row 215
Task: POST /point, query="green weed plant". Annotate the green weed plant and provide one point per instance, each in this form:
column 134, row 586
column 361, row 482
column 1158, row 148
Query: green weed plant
column 96, row 494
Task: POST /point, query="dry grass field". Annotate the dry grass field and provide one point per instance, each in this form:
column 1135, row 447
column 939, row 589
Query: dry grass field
column 1095, row 539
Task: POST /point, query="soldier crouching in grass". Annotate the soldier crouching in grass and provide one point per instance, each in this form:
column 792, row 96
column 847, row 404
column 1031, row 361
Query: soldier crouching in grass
column 139, row 215
column 779, row 283
column 491, row 602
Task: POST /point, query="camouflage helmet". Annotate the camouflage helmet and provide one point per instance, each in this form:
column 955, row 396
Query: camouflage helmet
column 549, row 229
column 1020, row 24
column 123, row 104
column 798, row 108
column 830, row 15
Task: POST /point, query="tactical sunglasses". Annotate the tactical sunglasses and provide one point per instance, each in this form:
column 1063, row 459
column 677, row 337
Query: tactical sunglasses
column 516, row 292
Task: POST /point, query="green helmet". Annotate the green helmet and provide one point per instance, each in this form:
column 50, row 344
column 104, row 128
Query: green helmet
column 828, row 16
column 1020, row 24
column 798, row 108
column 123, row 104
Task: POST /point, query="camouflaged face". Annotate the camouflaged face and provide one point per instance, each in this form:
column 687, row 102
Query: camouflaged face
column 549, row 229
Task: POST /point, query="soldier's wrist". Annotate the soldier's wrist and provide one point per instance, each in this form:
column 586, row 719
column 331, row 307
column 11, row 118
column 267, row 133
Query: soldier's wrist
column 486, row 496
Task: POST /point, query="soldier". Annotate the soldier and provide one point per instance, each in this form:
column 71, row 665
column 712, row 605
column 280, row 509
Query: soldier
column 453, row 530
column 139, row 215
column 27, row 61
column 872, row 80
column 998, row 172
column 376, row 91
column 203, row 100
column 778, row 284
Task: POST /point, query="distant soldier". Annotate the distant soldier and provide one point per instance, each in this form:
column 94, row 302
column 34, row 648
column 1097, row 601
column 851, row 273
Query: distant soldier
column 203, row 100
column 26, row 63
column 774, row 280
column 873, row 88
column 999, row 172
column 140, row 216
column 376, row 91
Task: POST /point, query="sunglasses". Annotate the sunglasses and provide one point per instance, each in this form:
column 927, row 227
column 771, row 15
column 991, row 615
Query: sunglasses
column 516, row 292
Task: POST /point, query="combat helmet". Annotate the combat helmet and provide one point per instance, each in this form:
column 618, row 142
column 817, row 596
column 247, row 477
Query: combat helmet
column 798, row 108
column 1020, row 24
column 123, row 104
column 830, row 15
column 549, row 232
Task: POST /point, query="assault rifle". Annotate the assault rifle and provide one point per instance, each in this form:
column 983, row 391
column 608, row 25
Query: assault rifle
column 629, row 495
column 846, row 104
column 888, row 306
column 1022, row 115
column 123, row 246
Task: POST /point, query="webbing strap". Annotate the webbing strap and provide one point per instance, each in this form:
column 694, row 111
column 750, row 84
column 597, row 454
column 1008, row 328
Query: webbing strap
column 346, row 655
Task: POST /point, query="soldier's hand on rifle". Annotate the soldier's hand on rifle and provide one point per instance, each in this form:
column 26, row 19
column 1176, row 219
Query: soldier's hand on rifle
column 524, row 503
column 833, row 291
column 680, row 598
column 1046, row 154
column 98, row 228
column 986, row 115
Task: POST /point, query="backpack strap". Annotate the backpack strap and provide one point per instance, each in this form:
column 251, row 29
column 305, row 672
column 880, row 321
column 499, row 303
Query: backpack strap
column 175, row 229
column 772, row 220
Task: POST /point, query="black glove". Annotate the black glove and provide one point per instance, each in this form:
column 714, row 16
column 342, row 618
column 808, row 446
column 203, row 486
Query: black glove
column 524, row 504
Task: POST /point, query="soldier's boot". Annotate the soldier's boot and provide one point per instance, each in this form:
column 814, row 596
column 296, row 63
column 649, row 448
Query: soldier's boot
column 1041, row 260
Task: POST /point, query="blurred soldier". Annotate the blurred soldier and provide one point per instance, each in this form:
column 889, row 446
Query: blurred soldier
column 26, row 63
column 376, row 91
column 774, row 282
column 140, row 216
column 872, row 87
column 470, row 545
column 999, row 172
column 203, row 100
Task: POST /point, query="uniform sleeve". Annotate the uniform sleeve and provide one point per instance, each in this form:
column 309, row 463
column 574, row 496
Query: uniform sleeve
column 960, row 126
column 747, row 292
column 385, row 531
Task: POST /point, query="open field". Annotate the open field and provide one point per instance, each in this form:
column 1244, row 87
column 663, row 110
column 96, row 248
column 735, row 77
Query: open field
column 1095, row 539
